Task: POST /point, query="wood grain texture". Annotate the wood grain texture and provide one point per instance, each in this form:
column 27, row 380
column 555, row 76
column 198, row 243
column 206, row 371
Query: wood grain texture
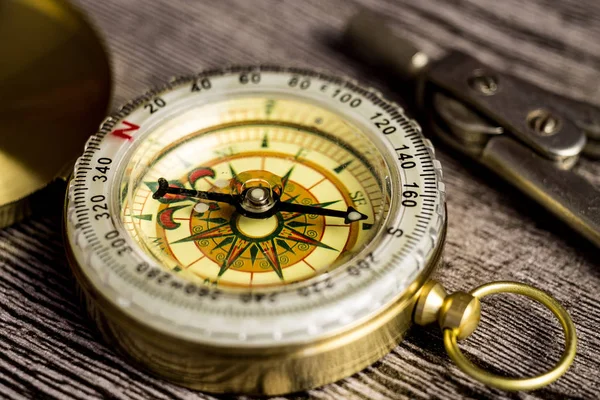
column 49, row 350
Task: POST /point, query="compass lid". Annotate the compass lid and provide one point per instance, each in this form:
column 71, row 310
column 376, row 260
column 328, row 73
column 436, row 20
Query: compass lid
column 54, row 91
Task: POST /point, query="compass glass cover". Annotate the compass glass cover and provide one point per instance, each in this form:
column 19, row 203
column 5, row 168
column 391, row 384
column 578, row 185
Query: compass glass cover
column 298, row 150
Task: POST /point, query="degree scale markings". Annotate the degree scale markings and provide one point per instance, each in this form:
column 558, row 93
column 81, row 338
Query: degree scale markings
column 332, row 83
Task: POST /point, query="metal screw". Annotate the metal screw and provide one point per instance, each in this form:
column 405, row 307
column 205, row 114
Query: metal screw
column 483, row 83
column 543, row 122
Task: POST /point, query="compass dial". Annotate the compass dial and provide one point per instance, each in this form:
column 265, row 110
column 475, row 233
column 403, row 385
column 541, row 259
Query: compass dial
column 301, row 147
column 236, row 217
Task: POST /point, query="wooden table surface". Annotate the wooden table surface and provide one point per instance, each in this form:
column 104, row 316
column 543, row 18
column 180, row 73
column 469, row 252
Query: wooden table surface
column 48, row 349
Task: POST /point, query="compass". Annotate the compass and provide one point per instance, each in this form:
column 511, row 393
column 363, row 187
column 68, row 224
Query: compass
column 267, row 230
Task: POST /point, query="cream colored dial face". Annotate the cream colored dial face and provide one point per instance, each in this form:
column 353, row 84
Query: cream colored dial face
column 319, row 159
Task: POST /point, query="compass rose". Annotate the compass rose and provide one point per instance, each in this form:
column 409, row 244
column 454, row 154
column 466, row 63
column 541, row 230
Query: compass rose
column 251, row 244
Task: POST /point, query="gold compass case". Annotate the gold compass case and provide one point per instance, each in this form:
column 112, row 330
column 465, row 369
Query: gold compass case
column 258, row 230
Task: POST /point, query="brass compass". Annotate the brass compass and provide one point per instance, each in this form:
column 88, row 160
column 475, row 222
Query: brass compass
column 267, row 230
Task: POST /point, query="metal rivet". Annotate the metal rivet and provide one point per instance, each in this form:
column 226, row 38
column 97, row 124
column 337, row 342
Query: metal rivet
column 258, row 195
column 483, row 83
column 543, row 122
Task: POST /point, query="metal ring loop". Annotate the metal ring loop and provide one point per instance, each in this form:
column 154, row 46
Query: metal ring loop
column 500, row 382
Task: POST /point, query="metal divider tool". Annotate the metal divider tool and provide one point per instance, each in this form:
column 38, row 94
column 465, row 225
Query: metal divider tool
column 530, row 137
